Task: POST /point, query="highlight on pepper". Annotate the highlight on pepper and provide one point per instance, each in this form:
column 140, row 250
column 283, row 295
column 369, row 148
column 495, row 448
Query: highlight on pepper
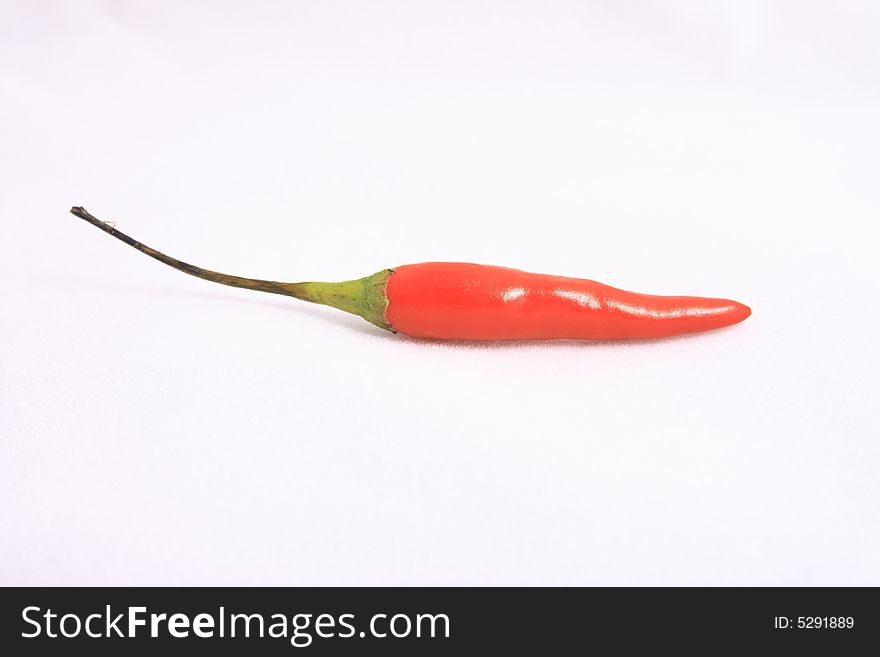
column 463, row 301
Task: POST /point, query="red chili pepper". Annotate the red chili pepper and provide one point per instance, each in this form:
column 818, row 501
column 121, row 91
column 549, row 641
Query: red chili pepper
column 451, row 300
column 461, row 301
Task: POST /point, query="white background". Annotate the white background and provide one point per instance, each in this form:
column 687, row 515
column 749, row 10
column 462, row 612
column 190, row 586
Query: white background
column 158, row 429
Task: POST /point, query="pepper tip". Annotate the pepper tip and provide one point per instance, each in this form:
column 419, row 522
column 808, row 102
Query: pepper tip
column 741, row 311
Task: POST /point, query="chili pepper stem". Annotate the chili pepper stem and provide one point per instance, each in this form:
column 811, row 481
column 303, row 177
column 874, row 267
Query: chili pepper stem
column 364, row 297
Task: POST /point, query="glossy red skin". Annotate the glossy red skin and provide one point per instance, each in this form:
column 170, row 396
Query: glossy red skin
column 461, row 301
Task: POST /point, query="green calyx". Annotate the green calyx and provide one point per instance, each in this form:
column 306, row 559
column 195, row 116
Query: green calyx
column 364, row 297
